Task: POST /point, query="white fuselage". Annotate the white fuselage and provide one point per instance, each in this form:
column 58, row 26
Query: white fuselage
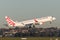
column 40, row 21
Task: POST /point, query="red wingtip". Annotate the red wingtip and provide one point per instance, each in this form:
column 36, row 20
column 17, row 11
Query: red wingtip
column 35, row 20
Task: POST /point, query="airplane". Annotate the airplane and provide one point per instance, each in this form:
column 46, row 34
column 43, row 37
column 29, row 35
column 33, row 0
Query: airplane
column 29, row 23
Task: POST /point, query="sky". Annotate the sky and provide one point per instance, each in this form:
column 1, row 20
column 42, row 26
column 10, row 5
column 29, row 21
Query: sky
column 27, row 9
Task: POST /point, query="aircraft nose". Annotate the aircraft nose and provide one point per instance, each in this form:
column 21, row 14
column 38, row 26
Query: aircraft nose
column 54, row 18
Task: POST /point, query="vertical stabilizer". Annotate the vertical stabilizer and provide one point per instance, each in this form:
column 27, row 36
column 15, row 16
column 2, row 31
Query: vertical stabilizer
column 9, row 21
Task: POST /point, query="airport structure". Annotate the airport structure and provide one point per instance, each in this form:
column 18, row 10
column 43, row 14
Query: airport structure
column 30, row 32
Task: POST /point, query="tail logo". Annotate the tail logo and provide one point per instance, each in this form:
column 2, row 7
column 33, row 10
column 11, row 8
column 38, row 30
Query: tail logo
column 9, row 21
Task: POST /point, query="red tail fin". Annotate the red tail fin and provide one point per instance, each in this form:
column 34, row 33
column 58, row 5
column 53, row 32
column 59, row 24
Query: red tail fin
column 9, row 21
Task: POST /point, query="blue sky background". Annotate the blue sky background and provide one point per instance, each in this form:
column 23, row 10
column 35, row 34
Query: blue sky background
column 27, row 9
